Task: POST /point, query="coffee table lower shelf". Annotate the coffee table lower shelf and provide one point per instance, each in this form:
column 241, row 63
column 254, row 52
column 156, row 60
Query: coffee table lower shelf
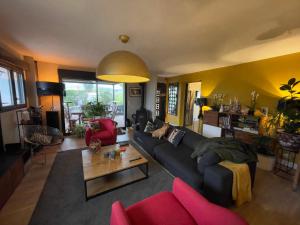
column 110, row 182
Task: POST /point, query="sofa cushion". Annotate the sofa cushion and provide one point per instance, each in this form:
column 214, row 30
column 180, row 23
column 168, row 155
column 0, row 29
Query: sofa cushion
column 191, row 139
column 178, row 161
column 162, row 208
column 146, row 141
column 176, row 136
column 208, row 159
column 149, row 127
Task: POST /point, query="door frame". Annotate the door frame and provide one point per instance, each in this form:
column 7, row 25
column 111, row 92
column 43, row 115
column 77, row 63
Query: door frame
column 185, row 98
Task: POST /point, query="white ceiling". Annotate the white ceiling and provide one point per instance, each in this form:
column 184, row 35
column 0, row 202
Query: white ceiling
column 172, row 36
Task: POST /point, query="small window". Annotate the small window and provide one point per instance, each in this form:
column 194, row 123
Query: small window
column 12, row 90
column 6, row 92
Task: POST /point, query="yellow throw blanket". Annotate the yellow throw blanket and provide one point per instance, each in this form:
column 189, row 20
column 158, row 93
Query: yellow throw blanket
column 241, row 185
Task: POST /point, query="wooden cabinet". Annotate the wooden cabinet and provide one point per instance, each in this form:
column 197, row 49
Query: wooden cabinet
column 245, row 137
column 211, row 118
column 10, row 179
column 17, row 172
column 6, row 187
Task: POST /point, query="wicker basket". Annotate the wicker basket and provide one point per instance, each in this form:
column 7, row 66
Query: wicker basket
column 290, row 141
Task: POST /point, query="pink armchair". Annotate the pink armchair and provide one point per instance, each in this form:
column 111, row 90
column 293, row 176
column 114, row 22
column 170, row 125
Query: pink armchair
column 182, row 206
column 107, row 133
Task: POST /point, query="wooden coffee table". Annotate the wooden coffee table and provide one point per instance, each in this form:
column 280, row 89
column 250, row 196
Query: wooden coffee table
column 103, row 174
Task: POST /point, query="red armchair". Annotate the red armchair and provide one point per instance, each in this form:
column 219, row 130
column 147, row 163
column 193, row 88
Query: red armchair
column 107, row 133
column 182, row 206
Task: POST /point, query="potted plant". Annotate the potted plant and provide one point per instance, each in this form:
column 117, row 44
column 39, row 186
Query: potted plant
column 79, row 131
column 289, row 113
column 218, row 99
column 94, row 109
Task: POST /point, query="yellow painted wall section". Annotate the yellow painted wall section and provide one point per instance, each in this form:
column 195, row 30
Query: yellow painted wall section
column 264, row 76
column 48, row 72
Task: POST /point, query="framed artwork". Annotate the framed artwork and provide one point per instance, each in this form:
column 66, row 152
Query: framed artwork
column 135, row 92
column 173, row 98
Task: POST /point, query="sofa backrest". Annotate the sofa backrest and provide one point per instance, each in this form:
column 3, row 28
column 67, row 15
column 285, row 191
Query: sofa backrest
column 106, row 124
column 191, row 139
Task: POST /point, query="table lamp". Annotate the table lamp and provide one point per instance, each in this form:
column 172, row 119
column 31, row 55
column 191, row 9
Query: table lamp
column 201, row 102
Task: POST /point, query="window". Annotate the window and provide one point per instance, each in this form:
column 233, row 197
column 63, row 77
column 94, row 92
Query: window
column 6, row 88
column 12, row 90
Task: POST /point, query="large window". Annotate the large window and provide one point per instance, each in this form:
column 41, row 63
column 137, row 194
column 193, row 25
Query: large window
column 12, row 91
column 79, row 93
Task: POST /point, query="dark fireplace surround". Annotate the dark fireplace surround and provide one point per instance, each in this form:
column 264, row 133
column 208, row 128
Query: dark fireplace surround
column 141, row 115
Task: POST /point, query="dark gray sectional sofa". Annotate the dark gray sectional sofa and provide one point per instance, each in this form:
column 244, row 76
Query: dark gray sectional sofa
column 216, row 182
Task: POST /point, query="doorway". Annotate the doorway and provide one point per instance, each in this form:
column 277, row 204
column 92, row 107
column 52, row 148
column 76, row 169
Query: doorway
column 191, row 109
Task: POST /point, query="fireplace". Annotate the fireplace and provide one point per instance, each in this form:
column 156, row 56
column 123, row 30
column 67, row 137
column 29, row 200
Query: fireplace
column 141, row 115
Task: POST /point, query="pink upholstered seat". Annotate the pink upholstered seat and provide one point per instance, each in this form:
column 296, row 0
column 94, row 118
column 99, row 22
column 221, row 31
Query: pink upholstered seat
column 107, row 134
column 159, row 209
column 182, row 206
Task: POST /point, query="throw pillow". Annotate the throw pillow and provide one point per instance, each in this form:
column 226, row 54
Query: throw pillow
column 95, row 126
column 159, row 133
column 208, row 159
column 176, row 136
column 150, row 127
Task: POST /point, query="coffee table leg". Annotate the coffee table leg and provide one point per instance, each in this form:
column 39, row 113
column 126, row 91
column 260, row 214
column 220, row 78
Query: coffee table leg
column 85, row 191
column 144, row 170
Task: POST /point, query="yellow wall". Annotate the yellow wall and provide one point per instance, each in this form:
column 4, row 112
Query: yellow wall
column 49, row 72
column 264, row 76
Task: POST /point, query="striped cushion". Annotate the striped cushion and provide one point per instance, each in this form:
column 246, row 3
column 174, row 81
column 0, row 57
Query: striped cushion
column 176, row 136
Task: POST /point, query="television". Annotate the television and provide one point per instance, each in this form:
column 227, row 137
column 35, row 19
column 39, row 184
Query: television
column 50, row 88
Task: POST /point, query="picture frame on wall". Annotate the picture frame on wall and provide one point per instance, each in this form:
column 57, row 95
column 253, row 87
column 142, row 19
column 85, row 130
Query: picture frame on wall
column 135, row 92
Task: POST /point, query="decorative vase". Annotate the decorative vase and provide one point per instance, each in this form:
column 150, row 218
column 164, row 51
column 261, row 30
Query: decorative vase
column 290, row 141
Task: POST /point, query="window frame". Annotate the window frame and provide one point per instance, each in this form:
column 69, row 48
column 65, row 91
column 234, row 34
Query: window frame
column 15, row 105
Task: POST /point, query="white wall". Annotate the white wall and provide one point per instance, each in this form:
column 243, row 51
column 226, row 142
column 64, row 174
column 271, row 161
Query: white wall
column 150, row 89
column 9, row 127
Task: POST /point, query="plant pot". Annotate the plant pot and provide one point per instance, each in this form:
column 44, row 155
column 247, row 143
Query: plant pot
column 251, row 112
column 265, row 162
column 290, row 141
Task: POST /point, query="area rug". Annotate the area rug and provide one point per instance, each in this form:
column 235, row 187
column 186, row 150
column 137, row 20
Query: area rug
column 62, row 201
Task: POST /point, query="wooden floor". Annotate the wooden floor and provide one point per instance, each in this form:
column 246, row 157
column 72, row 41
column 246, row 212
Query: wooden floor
column 274, row 202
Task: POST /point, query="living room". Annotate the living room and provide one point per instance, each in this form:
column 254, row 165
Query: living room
column 112, row 110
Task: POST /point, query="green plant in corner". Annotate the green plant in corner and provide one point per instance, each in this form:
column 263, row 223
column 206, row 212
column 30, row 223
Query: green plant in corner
column 287, row 120
column 289, row 107
column 79, row 131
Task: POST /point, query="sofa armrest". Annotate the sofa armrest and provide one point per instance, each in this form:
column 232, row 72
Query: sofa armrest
column 217, row 185
column 118, row 215
column 202, row 210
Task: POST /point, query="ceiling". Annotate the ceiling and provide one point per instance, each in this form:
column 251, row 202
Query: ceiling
column 172, row 36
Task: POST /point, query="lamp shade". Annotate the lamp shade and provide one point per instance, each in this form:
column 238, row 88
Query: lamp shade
column 123, row 66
